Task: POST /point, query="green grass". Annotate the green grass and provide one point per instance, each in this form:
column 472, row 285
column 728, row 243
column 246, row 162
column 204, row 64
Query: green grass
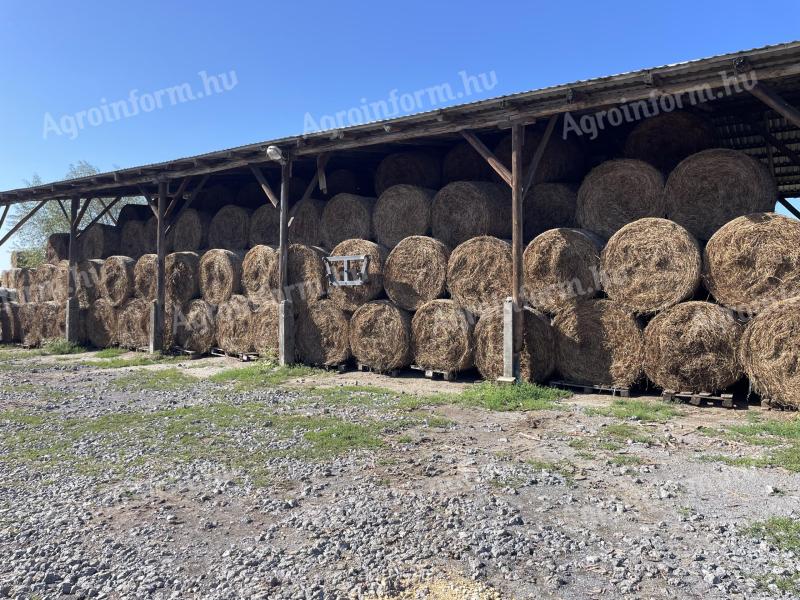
column 143, row 360
column 781, row 532
column 110, row 352
column 263, row 373
column 640, row 410
column 497, row 397
column 62, row 346
column 163, row 379
column 622, row 432
column 780, row 440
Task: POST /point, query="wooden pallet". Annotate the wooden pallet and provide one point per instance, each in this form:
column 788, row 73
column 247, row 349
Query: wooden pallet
column 699, row 398
column 771, row 404
column 338, row 368
column 622, row 392
column 436, row 374
column 190, row 354
column 242, row 356
column 368, row 369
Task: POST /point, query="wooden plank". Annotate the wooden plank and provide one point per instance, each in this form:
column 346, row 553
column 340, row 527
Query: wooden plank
column 22, row 221
column 517, row 144
column 785, row 203
column 322, row 161
column 538, row 154
column 195, row 192
column 63, row 210
column 82, row 212
column 73, row 326
column 149, row 200
column 262, row 181
column 107, row 208
column 157, row 310
column 5, row 214
column 488, row 156
column 772, row 99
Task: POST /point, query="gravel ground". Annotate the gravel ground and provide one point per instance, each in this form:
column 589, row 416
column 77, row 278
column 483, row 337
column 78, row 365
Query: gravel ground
column 156, row 482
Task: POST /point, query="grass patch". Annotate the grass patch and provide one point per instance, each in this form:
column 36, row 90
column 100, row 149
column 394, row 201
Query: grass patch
column 517, row 397
column 110, row 352
column 781, row 532
column 262, row 374
column 62, row 346
column 640, row 410
column 624, row 432
column 142, row 360
column 779, row 438
column 163, row 379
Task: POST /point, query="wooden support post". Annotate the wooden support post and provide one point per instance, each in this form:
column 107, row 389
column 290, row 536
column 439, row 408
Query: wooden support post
column 73, row 310
column 158, row 306
column 769, row 97
column 286, row 311
column 262, row 181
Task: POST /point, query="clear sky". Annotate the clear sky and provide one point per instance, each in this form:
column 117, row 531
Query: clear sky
column 284, row 60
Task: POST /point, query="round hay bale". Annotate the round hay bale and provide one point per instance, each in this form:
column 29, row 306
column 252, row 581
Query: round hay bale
column 133, row 238
column 562, row 159
column 345, row 217
column 548, row 206
column 260, row 273
column 189, row 233
column 235, row 325
column 181, row 276
column 305, row 222
column 466, row 209
column 349, row 298
column 220, row 275
column 416, row 271
column 144, row 274
column 380, row 336
column 10, row 328
column 598, row 342
column 753, row 261
column 305, row 274
column 117, row 279
column 101, row 324
column 150, row 235
column 197, row 331
column 401, row 211
column 133, row 324
column 213, row 197
column 666, row 139
column 44, row 279
column 463, row 163
column 341, row 181
column 414, row 168
column 692, row 346
column 479, row 273
column 264, row 226
column 30, row 324
column 322, row 334
column 650, row 265
column 57, row 248
column 230, row 228
column 712, row 187
column 265, row 328
column 618, row 192
column 442, row 337
column 134, row 212
column 769, row 349
column 87, row 281
column 99, row 241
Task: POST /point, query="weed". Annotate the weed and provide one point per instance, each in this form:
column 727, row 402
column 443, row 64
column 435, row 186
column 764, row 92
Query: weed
column 263, row 373
column 519, row 397
column 781, row 532
column 62, row 346
column 640, row 410
column 110, row 352
column 163, row 379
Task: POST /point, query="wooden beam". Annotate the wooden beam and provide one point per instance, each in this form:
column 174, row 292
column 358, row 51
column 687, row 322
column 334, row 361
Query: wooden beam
column 82, row 212
column 63, row 210
column 285, row 311
column 785, row 203
column 149, row 200
column 106, row 208
column 5, row 214
column 771, row 139
column 195, row 192
column 488, row 156
column 262, row 181
column 158, row 306
column 322, row 162
column 73, row 327
column 22, row 221
column 176, row 197
column 538, row 154
column 771, row 98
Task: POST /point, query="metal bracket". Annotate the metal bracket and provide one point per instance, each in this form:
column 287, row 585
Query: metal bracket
column 341, row 265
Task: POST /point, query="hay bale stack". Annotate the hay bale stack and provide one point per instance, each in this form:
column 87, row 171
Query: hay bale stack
column 769, row 349
column 235, row 325
column 416, row 271
column 349, row 298
column 117, row 279
column 133, row 324
column 753, row 261
column 260, row 273
column 30, row 324
column 214, row 197
column 99, row 241
column 265, row 328
column 598, row 342
column 53, row 317
column 230, row 228
column 21, row 279
column 133, row 238
column 57, row 248
column 305, row 222
column 345, row 217
column 712, row 187
column 220, row 275
column 463, row 163
column 197, row 330
column 305, row 274
column 101, row 324
column 264, row 226
column 60, row 283
column 692, row 347
column 189, row 233
column 5, row 278
column 380, row 336
column 666, row 139
column 134, row 212
column 414, row 168
column 44, row 279
column 442, row 337
column 341, row 181
column 618, row 192
column 466, row 209
column 181, row 277
column 650, row 265
column 322, row 334
column 401, row 211
column 548, row 206
column 562, row 159
column 150, row 235
column 10, row 328
column 144, row 275
column 479, row 273
column 87, row 281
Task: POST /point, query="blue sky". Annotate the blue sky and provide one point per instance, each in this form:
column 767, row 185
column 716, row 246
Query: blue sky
column 293, row 58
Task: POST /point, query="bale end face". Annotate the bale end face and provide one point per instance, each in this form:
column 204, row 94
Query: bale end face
column 442, row 337
column 380, row 336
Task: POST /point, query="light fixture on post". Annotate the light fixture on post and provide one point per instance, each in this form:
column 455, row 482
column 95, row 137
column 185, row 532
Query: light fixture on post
column 275, row 153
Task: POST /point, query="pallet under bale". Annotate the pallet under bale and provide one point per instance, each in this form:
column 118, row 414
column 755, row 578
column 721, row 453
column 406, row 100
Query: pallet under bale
column 435, row 373
column 700, row 398
column 622, row 392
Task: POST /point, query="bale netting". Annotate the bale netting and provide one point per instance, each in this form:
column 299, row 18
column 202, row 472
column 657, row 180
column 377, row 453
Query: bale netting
column 618, row 192
column 87, row 281
column 30, row 324
column 305, row 222
column 598, row 342
column 196, row 331
column 133, row 324
column 401, row 211
column 10, row 328
column 101, row 324
column 230, row 228
column 117, row 282
column 769, row 349
column 666, row 139
column 345, row 217
column 753, row 261
column 413, row 168
column 144, row 274
column 265, row 328
column 712, row 187
column 466, row 209
column 380, row 336
column 692, row 347
column 479, row 273
column 134, row 212
column 264, row 226
column 349, row 298
column 260, row 273
column 189, row 233
column 99, row 241
column 133, row 238
column 562, row 159
column 181, row 276
column 57, row 248
column 549, row 206
column 235, row 325
column 44, row 279
column 220, row 275
column 416, row 271
column 650, row 265
column 463, row 163
column 442, row 337
column 322, row 334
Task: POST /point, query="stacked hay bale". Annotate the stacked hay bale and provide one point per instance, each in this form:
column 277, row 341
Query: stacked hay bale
column 133, row 238
column 117, row 282
column 189, row 232
column 99, row 241
column 57, row 248
column 401, row 211
column 479, row 273
column 466, row 209
column 414, row 168
column 220, row 275
column 562, row 159
column 349, row 298
column 666, row 139
column 345, row 217
column 198, row 331
column 322, row 334
column 230, row 228
column 380, row 336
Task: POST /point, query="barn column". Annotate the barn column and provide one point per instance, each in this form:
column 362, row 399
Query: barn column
column 286, row 310
column 158, row 306
column 73, row 325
